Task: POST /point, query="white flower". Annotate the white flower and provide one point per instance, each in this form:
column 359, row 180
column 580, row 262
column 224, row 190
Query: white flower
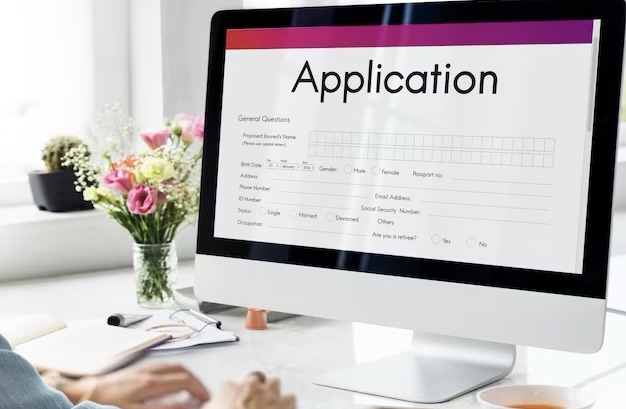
column 90, row 194
column 156, row 169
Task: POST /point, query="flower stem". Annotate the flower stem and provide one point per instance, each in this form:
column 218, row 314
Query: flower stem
column 155, row 267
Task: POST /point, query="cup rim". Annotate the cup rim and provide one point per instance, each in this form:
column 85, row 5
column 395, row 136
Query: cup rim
column 590, row 396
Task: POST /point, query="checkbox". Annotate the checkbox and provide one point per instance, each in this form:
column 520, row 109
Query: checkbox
column 487, row 142
column 477, row 142
column 496, row 144
column 529, row 144
column 486, row 158
column 507, row 159
column 456, row 157
column 527, row 160
column 466, row 157
column 496, row 158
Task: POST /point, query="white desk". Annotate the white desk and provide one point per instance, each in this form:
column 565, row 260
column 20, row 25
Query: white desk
column 299, row 348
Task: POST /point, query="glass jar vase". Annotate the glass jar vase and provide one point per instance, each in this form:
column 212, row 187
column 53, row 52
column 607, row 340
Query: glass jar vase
column 156, row 268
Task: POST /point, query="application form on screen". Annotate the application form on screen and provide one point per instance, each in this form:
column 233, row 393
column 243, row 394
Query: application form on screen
column 461, row 142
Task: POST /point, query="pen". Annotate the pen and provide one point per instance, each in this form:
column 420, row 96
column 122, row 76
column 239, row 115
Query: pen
column 124, row 320
column 206, row 318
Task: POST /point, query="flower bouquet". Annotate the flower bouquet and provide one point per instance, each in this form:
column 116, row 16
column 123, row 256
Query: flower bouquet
column 150, row 193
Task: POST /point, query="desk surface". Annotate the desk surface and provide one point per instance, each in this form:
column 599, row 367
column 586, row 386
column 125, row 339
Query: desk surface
column 300, row 348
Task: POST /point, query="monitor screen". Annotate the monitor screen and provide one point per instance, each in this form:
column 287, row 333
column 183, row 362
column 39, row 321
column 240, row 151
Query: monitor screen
column 470, row 142
column 458, row 142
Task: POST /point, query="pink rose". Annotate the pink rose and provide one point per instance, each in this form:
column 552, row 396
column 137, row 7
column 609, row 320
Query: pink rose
column 155, row 139
column 196, row 128
column 142, row 199
column 190, row 126
column 119, row 180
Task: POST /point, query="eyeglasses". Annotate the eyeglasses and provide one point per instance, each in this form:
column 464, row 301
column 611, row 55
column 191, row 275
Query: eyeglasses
column 193, row 319
column 188, row 319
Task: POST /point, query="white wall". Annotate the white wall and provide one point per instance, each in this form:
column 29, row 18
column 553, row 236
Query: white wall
column 111, row 54
column 146, row 72
column 186, row 26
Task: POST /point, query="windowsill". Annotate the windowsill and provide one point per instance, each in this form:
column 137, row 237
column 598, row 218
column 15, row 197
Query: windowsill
column 24, row 214
column 42, row 244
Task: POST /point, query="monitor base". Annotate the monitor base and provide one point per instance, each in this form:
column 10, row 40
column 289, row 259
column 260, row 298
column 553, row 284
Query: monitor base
column 186, row 297
column 435, row 369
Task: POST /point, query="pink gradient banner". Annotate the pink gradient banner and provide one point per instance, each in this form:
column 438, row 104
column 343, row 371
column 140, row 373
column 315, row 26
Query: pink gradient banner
column 408, row 35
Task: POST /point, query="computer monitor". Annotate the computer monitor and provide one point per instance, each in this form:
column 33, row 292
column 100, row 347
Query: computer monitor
column 441, row 167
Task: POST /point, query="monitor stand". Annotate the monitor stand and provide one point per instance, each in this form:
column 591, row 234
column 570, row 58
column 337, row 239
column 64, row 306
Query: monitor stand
column 185, row 297
column 435, row 369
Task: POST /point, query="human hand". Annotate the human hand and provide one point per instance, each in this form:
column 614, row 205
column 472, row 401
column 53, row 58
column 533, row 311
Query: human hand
column 255, row 392
column 134, row 387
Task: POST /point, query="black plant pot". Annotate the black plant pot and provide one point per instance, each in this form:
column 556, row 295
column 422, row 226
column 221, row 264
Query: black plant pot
column 56, row 192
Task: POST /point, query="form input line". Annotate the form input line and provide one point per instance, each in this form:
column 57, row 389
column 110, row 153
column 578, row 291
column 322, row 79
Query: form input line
column 485, row 205
column 306, row 205
column 488, row 220
column 316, row 231
column 505, row 181
column 323, row 194
column 408, row 187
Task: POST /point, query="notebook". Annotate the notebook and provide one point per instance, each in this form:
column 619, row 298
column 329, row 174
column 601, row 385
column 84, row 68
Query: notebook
column 201, row 333
column 78, row 348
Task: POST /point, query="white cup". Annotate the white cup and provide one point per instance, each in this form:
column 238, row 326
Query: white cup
column 503, row 397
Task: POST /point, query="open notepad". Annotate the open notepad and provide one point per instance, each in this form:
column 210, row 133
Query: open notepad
column 208, row 334
column 75, row 348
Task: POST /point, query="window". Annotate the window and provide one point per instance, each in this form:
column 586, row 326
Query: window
column 59, row 61
column 46, row 77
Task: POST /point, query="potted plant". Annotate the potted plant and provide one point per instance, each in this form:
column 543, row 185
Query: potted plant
column 54, row 189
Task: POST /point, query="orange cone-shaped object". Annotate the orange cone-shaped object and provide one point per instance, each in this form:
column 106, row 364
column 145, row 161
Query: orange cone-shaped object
column 256, row 319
